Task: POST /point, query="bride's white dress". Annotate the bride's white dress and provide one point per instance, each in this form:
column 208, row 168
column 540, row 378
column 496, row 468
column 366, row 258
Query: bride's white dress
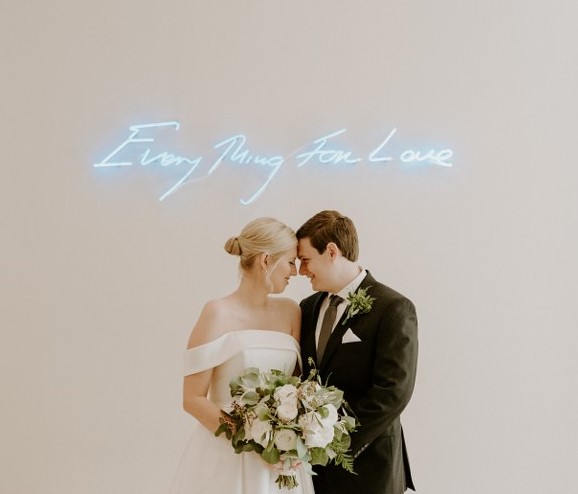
column 209, row 464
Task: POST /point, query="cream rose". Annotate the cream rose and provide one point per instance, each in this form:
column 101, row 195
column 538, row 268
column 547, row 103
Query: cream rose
column 286, row 393
column 285, row 439
column 316, row 432
column 287, row 412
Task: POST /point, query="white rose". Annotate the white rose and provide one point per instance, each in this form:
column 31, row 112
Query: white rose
column 316, row 432
column 286, row 393
column 287, row 412
column 321, row 437
column 260, row 431
column 285, row 439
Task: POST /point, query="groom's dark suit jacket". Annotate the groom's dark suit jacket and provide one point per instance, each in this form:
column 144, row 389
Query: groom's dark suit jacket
column 377, row 375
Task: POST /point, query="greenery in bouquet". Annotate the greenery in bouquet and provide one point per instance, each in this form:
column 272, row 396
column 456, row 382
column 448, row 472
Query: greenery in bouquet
column 291, row 423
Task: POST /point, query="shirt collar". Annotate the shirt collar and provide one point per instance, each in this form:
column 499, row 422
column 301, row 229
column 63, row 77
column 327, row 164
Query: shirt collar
column 352, row 285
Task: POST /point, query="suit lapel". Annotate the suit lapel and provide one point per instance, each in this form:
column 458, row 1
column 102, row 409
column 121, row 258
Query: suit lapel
column 340, row 329
column 308, row 330
column 333, row 342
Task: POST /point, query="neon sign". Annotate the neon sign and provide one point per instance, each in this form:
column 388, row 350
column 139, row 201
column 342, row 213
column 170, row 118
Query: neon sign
column 234, row 150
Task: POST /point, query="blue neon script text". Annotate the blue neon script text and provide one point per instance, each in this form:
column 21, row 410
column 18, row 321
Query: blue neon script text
column 141, row 148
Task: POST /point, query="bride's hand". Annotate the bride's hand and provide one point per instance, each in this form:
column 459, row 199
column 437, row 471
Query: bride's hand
column 226, row 420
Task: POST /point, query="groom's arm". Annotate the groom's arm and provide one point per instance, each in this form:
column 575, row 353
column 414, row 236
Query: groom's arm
column 393, row 372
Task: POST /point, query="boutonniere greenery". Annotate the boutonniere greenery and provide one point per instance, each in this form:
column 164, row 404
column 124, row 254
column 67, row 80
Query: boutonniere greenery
column 359, row 302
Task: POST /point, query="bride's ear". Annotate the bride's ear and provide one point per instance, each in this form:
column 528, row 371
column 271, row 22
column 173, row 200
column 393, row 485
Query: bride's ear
column 264, row 261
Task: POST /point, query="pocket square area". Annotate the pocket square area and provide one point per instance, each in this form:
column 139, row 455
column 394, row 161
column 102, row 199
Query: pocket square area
column 350, row 337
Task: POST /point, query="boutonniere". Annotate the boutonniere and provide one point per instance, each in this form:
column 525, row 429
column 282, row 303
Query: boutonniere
column 359, row 302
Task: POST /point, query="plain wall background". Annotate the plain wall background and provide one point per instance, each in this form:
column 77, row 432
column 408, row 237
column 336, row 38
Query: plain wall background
column 101, row 282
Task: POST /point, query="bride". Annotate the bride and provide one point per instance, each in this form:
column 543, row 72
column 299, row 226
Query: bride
column 247, row 328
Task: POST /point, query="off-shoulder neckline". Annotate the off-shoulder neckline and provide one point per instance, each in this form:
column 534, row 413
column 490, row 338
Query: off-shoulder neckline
column 241, row 332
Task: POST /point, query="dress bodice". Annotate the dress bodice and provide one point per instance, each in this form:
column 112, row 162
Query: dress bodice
column 234, row 351
column 206, row 457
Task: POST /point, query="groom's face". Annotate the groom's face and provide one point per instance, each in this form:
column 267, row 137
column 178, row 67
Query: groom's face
column 316, row 266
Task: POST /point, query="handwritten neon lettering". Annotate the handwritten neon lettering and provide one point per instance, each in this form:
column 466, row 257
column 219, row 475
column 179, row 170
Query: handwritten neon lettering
column 331, row 156
column 436, row 158
column 374, row 155
column 164, row 158
column 181, row 181
column 235, row 151
column 132, row 139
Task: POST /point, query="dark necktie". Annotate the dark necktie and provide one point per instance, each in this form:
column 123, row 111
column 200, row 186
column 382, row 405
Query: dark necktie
column 327, row 325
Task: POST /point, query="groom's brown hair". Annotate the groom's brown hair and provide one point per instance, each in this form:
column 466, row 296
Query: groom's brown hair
column 331, row 226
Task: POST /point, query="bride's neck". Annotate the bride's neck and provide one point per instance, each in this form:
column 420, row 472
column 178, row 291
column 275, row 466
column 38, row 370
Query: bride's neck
column 252, row 292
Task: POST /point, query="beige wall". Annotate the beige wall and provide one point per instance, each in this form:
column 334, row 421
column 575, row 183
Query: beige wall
column 101, row 282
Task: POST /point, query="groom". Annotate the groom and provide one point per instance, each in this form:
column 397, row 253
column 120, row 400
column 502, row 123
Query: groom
column 370, row 355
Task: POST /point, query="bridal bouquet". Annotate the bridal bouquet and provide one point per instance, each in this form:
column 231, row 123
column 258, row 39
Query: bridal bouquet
column 291, row 423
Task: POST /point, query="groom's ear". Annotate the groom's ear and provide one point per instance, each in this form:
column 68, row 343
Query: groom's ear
column 332, row 250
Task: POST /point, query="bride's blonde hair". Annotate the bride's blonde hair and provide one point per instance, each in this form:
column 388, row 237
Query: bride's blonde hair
column 263, row 235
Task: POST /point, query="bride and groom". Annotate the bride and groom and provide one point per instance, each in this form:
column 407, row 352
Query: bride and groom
column 368, row 351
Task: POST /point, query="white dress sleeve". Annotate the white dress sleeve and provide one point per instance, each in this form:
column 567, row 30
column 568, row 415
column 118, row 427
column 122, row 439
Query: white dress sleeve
column 216, row 352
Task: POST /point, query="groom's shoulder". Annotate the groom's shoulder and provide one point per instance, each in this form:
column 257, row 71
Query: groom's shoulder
column 383, row 291
column 310, row 300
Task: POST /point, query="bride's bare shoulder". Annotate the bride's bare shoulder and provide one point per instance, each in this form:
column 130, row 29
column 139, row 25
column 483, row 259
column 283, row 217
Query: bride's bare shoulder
column 212, row 322
column 288, row 313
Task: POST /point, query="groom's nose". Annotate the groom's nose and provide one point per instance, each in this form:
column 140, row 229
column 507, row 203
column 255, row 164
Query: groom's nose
column 302, row 268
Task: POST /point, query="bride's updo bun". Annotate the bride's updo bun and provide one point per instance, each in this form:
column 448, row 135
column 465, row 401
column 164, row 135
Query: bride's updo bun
column 261, row 235
column 233, row 247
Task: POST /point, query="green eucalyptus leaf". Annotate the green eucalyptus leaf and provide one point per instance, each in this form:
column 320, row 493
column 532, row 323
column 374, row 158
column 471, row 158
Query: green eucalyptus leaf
column 319, row 456
column 250, row 397
column 270, row 455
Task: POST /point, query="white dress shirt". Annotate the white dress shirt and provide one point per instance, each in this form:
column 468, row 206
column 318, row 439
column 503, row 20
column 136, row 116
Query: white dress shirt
column 343, row 293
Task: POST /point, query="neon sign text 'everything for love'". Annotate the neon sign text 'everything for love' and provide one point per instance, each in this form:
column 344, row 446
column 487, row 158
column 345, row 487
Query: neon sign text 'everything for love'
column 234, row 150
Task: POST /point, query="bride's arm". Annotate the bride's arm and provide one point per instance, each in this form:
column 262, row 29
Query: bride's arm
column 196, row 386
column 295, row 321
column 195, row 401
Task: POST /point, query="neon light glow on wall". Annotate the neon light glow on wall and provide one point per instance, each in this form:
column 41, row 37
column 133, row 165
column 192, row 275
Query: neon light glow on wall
column 234, row 150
